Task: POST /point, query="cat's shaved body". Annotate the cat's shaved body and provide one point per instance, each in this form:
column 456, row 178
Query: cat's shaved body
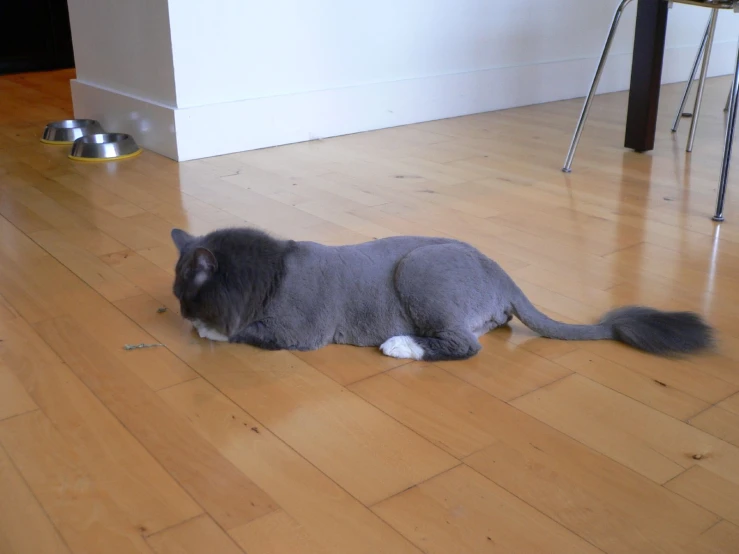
column 415, row 297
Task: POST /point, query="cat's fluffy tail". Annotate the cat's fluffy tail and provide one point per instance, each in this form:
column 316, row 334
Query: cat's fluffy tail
column 654, row 331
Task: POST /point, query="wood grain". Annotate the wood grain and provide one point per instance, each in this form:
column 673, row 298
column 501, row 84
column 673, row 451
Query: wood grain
column 534, row 445
column 199, row 535
column 647, row 441
column 20, row 513
column 332, row 517
column 230, row 497
column 463, row 511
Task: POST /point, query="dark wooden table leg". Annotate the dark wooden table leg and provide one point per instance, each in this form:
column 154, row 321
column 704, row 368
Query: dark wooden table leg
column 646, row 73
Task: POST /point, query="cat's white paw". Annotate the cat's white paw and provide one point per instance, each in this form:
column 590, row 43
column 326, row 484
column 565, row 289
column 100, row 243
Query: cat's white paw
column 213, row 335
column 402, row 347
column 206, row 333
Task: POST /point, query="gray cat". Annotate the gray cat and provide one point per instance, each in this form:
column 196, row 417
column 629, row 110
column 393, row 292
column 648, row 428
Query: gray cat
column 414, row 297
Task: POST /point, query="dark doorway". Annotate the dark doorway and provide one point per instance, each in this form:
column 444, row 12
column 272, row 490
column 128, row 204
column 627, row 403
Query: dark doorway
column 34, row 36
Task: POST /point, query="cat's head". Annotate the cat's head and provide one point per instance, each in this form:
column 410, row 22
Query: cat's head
column 227, row 277
column 199, row 283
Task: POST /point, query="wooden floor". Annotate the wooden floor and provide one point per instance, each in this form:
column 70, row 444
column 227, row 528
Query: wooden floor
column 533, row 446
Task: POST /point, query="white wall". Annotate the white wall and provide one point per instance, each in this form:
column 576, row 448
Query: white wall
column 124, row 46
column 293, row 46
column 249, row 74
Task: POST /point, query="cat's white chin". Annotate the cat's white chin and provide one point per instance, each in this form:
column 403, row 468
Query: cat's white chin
column 402, row 347
column 206, row 333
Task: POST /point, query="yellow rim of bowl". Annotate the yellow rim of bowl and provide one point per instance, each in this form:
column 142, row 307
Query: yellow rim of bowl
column 97, row 160
column 57, row 142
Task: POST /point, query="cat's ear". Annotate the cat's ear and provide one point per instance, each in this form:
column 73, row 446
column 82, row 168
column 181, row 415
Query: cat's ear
column 204, row 265
column 181, row 238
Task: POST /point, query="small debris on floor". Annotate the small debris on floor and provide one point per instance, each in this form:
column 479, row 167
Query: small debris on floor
column 142, row 345
column 255, row 429
column 697, row 456
column 161, row 310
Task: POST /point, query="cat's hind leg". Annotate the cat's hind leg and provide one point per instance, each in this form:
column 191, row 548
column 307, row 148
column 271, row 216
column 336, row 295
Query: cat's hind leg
column 450, row 298
column 446, row 346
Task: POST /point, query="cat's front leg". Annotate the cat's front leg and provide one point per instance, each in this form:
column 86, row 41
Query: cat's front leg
column 207, row 333
column 257, row 334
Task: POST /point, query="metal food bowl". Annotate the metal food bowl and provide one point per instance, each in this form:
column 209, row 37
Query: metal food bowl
column 69, row 130
column 104, row 147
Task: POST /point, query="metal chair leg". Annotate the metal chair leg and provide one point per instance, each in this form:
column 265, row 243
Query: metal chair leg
column 728, row 143
column 728, row 99
column 693, row 71
column 593, row 86
column 702, row 79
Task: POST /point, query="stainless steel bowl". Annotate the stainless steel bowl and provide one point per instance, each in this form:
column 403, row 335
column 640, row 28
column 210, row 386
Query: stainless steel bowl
column 69, row 130
column 104, row 147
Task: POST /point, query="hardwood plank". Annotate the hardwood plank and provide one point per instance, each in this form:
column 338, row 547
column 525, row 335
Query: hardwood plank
column 586, row 492
column 20, row 216
column 647, row 441
column 45, row 289
column 460, row 510
column 146, row 275
column 590, row 242
column 86, row 515
column 141, row 488
column 42, row 208
column 722, row 538
column 449, row 420
column 329, row 514
column 86, row 259
column 164, row 257
column 14, row 400
column 448, row 222
column 731, row 404
column 20, row 513
column 199, row 535
column 110, row 284
column 607, row 504
column 6, row 310
column 17, row 246
column 48, row 194
column 720, row 423
column 275, row 533
column 230, row 497
column 157, row 367
column 683, row 375
column 396, row 224
column 38, row 286
column 567, row 281
column 652, row 392
column 91, row 240
column 707, row 489
column 344, row 436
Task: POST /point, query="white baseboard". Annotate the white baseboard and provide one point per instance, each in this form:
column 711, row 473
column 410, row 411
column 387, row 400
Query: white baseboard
column 152, row 125
column 218, row 129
